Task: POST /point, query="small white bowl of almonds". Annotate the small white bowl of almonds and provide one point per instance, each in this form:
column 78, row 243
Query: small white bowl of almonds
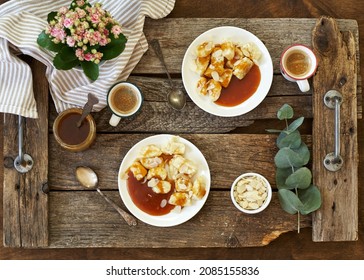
column 251, row 193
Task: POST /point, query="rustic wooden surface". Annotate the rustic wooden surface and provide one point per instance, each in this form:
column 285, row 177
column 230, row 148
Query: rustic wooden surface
column 290, row 245
column 25, row 216
column 337, row 219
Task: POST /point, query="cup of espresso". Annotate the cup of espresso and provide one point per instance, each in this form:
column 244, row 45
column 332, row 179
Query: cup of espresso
column 124, row 100
column 297, row 64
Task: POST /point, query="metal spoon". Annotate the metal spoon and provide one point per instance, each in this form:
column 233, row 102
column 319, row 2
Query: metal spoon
column 91, row 101
column 176, row 98
column 88, row 178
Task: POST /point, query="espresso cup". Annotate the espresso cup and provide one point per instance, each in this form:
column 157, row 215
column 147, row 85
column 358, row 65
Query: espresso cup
column 297, row 64
column 124, row 100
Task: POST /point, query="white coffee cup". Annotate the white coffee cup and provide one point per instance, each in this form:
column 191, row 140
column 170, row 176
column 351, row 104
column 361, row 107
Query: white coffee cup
column 124, row 100
column 297, row 64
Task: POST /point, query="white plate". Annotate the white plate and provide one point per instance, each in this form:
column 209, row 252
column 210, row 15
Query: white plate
column 191, row 77
column 171, row 219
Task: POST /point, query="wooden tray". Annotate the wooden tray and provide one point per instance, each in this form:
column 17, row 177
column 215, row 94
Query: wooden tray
column 47, row 207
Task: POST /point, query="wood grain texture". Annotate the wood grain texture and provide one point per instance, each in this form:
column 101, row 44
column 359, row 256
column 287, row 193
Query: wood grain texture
column 238, row 154
column 337, row 219
column 84, row 219
column 25, row 206
column 288, row 246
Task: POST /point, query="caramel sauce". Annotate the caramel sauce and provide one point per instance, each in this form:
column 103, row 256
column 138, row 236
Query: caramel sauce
column 239, row 91
column 69, row 132
column 146, row 199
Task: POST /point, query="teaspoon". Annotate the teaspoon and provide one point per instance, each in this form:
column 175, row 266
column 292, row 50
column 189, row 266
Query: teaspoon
column 88, row 178
column 176, row 98
column 91, row 101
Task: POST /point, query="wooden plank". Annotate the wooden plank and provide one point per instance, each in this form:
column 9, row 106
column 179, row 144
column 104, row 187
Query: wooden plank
column 239, row 153
column 337, row 219
column 84, row 219
column 25, row 206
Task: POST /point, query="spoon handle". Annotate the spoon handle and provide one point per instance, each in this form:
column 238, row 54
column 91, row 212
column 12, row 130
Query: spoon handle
column 158, row 51
column 92, row 100
column 129, row 219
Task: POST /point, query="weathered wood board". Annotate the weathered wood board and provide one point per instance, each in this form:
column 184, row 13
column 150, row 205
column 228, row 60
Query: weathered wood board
column 337, row 219
column 81, row 218
column 25, row 205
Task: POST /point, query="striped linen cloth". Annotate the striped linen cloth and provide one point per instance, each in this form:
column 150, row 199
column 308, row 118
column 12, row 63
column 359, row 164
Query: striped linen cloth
column 21, row 21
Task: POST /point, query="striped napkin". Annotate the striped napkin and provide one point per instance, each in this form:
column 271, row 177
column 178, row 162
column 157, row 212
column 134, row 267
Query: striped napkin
column 20, row 24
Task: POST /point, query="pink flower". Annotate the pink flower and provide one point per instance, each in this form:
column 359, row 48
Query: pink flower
column 95, row 18
column 79, row 53
column 88, row 56
column 70, row 41
column 68, row 22
column 116, row 30
column 59, row 34
column 63, row 10
column 103, row 42
column 80, row 3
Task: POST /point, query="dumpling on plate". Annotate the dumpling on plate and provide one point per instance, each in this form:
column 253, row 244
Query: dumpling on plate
column 159, row 186
column 242, row 67
column 214, row 89
column 252, row 51
column 225, row 78
column 198, row 189
column 183, row 183
column 174, row 147
column 151, row 162
column 204, row 49
column 202, row 86
column 180, row 199
column 157, row 172
column 150, row 151
column 202, row 63
column 228, row 50
column 138, row 170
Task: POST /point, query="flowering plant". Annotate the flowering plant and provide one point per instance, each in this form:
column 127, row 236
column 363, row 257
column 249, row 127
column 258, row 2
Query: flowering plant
column 82, row 35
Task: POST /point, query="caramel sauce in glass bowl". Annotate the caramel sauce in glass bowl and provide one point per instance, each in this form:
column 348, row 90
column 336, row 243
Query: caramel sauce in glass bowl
column 71, row 137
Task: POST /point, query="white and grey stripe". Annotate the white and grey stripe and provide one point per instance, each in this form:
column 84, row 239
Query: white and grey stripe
column 20, row 24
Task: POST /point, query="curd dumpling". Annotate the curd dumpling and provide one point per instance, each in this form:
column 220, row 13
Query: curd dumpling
column 138, row 170
column 252, row 51
column 198, row 189
column 187, row 168
column 228, row 50
column 157, row 172
column 150, row 151
column 226, row 77
column 242, row 67
column 151, row 162
column 202, row 85
column 174, row 148
column 180, row 199
column 183, row 184
column 160, row 186
column 204, row 49
column 202, row 63
column 214, row 89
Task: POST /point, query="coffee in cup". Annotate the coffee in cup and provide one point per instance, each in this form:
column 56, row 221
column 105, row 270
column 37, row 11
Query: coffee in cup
column 124, row 100
column 297, row 64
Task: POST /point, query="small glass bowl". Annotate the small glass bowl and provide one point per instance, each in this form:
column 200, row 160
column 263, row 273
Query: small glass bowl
column 257, row 178
column 78, row 146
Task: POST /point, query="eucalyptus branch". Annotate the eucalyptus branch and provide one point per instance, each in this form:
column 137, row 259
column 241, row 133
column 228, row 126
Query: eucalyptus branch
column 296, row 193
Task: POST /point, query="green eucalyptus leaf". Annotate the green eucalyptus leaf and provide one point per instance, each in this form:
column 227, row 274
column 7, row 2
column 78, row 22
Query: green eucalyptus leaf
column 114, row 48
column 311, row 199
column 281, row 177
column 292, row 140
column 91, row 70
column 60, row 64
column 285, row 112
column 303, row 152
column 295, row 124
column 300, row 179
column 289, row 201
column 51, row 16
column 46, row 42
column 286, row 157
